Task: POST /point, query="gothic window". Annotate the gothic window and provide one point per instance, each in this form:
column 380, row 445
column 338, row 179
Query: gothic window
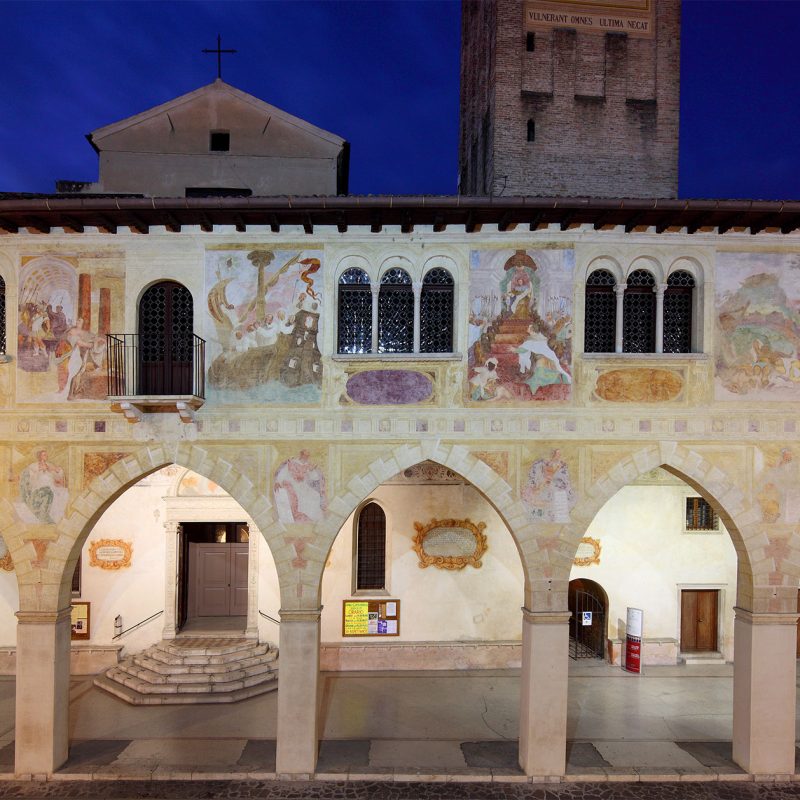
column 639, row 313
column 678, row 302
column 436, row 312
column 355, row 312
column 396, row 313
column 600, row 312
column 371, row 548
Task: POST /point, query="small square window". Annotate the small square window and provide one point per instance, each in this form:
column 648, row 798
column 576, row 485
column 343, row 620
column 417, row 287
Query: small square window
column 220, row 141
column 700, row 516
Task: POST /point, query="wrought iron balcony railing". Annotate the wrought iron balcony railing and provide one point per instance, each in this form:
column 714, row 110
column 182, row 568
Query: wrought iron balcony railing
column 156, row 365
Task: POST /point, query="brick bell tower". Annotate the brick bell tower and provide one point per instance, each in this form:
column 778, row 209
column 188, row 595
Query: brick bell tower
column 563, row 98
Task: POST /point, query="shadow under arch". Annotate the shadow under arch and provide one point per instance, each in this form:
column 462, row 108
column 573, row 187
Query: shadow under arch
column 707, row 479
column 87, row 508
column 489, row 484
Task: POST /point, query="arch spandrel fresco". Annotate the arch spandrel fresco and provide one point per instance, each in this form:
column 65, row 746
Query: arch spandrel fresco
column 264, row 317
column 757, row 326
column 520, row 326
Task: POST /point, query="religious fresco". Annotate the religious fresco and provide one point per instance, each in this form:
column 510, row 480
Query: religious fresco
column 778, row 476
column 66, row 308
column 547, row 493
column 265, row 308
column 41, row 486
column 299, row 490
column 757, row 326
column 520, row 325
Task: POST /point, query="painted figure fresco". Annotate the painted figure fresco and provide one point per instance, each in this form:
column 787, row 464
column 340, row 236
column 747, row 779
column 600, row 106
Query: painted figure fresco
column 43, row 492
column 520, row 325
column 65, row 312
column 758, row 326
column 265, row 310
column 299, row 490
column 548, row 494
column 776, row 488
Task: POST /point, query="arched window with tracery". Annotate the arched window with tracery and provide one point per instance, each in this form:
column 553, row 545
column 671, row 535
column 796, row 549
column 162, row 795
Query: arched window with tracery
column 355, row 312
column 600, row 313
column 639, row 313
column 371, row 548
column 436, row 312
column 396, row 312
column 678, row 303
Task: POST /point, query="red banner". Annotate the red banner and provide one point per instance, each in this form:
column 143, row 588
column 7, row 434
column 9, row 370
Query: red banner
column 633, row 654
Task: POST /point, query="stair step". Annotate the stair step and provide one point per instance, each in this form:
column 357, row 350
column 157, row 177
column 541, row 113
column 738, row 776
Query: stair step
column 147, row 661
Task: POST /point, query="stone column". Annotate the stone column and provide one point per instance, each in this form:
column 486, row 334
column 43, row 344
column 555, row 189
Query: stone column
column 416, row 287
column 764, row 668
column 172, row 531
column 376, row 290
column 543, row 692
column 298, row 684
column 619, row 291
column 42, row 703
column 254, row 537
column 659, row 292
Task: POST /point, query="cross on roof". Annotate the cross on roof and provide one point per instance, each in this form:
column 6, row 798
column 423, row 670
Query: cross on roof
column 219, row 51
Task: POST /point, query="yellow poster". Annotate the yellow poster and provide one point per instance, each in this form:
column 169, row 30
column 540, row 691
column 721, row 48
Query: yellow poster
column 356, row 618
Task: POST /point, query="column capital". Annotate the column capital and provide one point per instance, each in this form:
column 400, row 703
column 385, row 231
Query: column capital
column 300, row 614
column 545, row 617
column 375, row 288
column 43, row 617
column 659, row 289
column 619, row 288
column 769, row 618
column 172, row 526
column 416, row 287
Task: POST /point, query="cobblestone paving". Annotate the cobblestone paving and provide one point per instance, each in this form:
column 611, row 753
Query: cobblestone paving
column 366, row 790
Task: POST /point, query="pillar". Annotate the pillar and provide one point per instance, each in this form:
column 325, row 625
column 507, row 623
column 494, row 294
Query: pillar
column 298, row 685
column 85, row 299
column 543, row 692
column 172, row 533
column 253, row 540
column 416, row 288
column 42, row 702
column 764, row 667
column 376, row 290
column 659, row 293
column 619, row 291
column 104, row 314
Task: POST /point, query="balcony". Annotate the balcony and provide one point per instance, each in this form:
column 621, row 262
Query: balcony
column 156, row 373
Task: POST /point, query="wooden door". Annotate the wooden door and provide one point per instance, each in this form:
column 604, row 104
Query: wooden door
column 165, row 352
column 239, row 560
column 798, row 624
column 699, row 609
column 219, row 579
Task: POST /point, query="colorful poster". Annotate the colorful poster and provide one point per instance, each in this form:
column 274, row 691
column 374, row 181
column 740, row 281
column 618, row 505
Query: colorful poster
column 757, row 326
column 520, row 326
column 264, row 308
column 356, row 618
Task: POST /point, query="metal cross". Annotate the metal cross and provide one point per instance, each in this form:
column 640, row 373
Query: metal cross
column 219, row 51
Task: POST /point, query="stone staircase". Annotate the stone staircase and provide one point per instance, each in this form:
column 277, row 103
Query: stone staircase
column 194, row 670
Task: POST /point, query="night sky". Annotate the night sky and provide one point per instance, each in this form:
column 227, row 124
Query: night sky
column 384, row 75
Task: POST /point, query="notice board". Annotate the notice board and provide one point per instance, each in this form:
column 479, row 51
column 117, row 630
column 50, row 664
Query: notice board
column 371, row 618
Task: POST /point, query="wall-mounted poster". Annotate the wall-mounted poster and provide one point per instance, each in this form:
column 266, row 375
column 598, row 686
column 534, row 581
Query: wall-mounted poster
column 371, row 618
column 520, row 326
column 264, row 308
column 81, row 620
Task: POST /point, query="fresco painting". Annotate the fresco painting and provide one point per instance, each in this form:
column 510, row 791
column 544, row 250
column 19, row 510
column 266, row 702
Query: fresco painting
column 520, row 326
column 299, row 490
column 264, row 307
column 66, row 308
column 548, row 494
column 776, row 485
column 42, row 493
column 757, row 326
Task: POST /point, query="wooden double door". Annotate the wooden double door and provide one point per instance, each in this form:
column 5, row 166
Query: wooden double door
column 218, row 579
column 699, row 620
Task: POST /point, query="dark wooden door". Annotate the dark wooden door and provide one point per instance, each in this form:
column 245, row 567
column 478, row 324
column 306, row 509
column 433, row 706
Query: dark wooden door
column 219, row 575
column 165, row 340
column 699, row 609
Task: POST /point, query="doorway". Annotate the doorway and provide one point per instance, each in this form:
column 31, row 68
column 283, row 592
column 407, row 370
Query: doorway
column 588, row 605
column 165, row 356
column 699, row 620
column 213, row 572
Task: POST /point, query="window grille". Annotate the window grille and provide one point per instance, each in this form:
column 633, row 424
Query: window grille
column 371, row 548
column 678, row 302
column 600, row 313
column 639, row 313
column 436, row 312
column 2, row 315
column 355, row 312
column 396, row 313
column 700, row 516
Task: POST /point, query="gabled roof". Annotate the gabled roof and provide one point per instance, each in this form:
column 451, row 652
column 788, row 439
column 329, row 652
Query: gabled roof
column 217, row 87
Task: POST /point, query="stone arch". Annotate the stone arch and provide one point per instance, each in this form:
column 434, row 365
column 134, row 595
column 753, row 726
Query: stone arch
column 648, row 263
column 43, row 577
column 606, row 262
column 724, row 494
column 495, row 489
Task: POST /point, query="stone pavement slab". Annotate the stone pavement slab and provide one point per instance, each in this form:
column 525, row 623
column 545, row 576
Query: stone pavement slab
column 647, row 755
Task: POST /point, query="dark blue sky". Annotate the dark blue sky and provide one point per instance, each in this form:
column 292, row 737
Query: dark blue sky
column 384, row 75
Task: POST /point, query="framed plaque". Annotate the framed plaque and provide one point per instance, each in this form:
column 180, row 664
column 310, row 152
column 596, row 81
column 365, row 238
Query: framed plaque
column 81, row 621
column 110, row 554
